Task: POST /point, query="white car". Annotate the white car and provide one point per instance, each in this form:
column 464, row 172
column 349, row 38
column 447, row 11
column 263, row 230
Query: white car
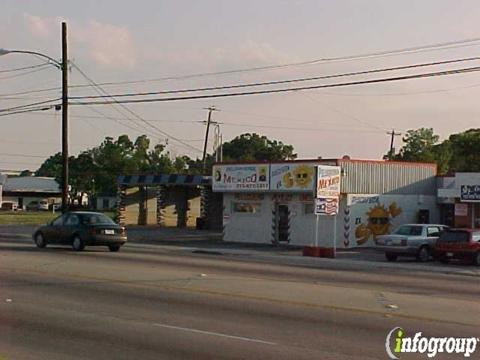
column 416, row 240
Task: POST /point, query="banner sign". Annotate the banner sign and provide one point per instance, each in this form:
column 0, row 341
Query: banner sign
column 254, row 177
column 292, row 177
column 326, row 206
column 470, row 193
column 327, row 181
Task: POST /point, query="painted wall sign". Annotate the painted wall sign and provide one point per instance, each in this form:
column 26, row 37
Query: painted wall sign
column 470, row 193
column 292, row 177
column 254, row 177
column 328, row 181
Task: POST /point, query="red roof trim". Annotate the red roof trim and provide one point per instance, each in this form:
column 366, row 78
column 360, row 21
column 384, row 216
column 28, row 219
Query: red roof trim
column 337, row 161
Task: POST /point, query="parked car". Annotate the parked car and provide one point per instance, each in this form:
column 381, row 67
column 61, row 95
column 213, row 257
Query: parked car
column 416, row 240
column 38, row 205
column 9, row 206
column 461, row 244
column 80, row 229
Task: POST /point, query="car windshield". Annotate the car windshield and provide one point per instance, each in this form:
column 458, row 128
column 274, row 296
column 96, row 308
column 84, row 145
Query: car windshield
column 453, row 236
column 409, row 230
column 96, row 219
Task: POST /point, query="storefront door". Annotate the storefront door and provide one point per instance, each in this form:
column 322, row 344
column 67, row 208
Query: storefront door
column 282, row 223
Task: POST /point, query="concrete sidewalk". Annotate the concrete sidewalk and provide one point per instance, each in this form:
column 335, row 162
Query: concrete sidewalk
column 209, row 243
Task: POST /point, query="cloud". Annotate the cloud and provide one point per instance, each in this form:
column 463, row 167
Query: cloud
column 40, row 27
column 105, row 44
column 243, row 55
column 108, row 45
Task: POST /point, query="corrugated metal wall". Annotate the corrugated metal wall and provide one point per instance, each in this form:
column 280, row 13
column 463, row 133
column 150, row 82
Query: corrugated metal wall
column 363, row 177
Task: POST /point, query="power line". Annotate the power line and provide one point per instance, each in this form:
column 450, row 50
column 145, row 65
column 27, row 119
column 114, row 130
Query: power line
column 273, row 91
column 26, row 106
column 115, row 101
column 24, row 68
column 422, row 48
column 27, row 111
column 24, row 73
column 25, row 155
column 288, row 81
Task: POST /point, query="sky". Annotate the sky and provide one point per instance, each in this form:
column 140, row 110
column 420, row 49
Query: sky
column 150, row 40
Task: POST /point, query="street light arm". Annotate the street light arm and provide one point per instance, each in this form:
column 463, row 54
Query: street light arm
column 55, row 62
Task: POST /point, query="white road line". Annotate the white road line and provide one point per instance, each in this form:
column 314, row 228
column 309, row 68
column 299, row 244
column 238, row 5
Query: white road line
column 214, row 333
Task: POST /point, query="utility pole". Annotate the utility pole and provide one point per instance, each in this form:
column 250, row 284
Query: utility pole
column 204, row 158
column 64, row 119
column 392, row 139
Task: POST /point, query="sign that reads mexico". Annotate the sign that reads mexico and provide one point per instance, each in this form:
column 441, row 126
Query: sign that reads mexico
column 328, row 181
column 249, row 177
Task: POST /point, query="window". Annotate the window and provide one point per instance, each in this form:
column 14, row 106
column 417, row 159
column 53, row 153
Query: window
column 92, row 219
column 433, row 231
column 59, row 221
column 409, row 230
column 105, row 203
column 476, row 236
column 242, row 207
column 453, row 237
column 72, row 220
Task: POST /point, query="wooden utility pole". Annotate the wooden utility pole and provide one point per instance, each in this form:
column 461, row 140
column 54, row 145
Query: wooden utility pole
column 204, row 158
column 392, row 139
column 64, row 119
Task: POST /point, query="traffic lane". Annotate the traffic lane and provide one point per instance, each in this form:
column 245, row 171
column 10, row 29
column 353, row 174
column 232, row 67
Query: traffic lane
column 92, row 319
column 440, row 285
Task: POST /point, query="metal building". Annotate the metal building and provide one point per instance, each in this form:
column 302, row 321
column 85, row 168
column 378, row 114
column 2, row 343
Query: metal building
column 273, row 202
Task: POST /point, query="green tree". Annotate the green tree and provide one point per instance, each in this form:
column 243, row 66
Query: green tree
column 253, row 147
column 465, row 151
column 418, row 145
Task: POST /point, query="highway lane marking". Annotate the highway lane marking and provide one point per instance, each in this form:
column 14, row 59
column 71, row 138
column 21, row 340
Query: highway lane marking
column 214, row 334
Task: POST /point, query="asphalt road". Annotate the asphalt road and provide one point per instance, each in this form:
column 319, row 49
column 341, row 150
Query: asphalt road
column 146, row 302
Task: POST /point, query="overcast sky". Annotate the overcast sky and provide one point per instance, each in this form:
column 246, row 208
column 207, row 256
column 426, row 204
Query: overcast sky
column 114, row 41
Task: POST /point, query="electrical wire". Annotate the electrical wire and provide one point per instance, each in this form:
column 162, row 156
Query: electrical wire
column 25, row 155
column 24, row 68
column 276, row 91
column 115, row 101
column 24, row 73
column 27, row 111
column 277, row 82
column 422, row 48
column 26, row 106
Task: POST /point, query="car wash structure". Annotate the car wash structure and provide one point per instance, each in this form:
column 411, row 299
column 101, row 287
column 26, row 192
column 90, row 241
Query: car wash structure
column 168, row 200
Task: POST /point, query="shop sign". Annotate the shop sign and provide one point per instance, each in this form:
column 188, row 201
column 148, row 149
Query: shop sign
column 282, row 197
column 326, row 206
column 292, row 177
column 461, row 210
column 470, row 193
column 249, row 197
column 251, row 177
column 327, row 181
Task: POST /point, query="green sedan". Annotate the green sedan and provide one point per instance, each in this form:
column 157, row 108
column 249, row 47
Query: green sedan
column 80, row 229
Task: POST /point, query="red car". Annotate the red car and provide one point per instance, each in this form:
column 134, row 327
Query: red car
column 461, row 244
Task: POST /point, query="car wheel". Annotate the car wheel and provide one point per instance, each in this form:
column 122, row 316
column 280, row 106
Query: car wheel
column 77, row 243
column 40, row 240
column 423, row 254
column 114, row 248
column 476, row 258
column 391, row 257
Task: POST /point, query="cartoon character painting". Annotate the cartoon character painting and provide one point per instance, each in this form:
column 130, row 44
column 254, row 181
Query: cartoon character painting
column 300, row 176
column 378, row 222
